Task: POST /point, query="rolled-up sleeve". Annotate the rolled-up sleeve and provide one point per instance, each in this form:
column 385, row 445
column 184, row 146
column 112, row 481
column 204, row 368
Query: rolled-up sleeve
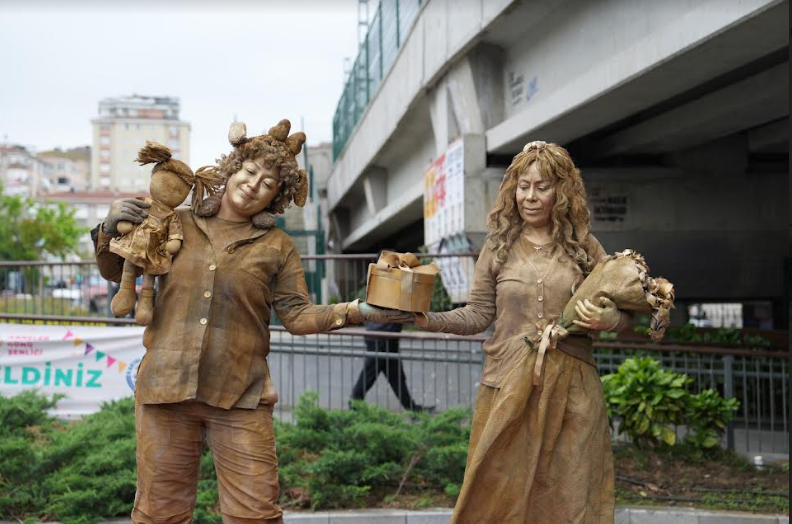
column 111, row 266
column 294, row 307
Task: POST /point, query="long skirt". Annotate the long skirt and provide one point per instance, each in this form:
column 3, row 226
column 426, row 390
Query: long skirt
column 540, row 454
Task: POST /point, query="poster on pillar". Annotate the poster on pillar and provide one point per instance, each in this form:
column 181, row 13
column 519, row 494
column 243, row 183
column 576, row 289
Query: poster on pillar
column 89, row 365
column 444, row 196
column 444, row 219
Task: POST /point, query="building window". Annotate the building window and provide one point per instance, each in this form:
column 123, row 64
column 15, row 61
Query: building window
column 105, row 140
column 104, row 153
column 104, row 168
column 104, row 181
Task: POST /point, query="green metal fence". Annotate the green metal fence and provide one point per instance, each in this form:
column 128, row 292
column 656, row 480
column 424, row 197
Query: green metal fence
column 390, row 25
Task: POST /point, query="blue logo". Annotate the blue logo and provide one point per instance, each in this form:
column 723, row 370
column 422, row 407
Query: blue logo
column 131, row 373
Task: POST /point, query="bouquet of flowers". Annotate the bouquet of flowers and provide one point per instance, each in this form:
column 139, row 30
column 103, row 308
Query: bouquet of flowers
column 624, row 279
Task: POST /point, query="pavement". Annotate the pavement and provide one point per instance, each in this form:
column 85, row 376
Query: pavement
column 624, row 515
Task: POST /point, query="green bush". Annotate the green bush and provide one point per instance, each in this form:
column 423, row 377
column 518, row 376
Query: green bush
column 337, row 458
column 708, row 413
column 84, row 471
column 649, row 401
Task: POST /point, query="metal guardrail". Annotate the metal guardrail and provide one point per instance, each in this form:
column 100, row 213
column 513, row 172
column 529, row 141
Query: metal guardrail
column 386, row 34
column 441, row 370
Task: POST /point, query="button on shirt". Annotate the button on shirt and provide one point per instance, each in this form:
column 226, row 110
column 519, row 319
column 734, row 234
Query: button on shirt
column 209, row 337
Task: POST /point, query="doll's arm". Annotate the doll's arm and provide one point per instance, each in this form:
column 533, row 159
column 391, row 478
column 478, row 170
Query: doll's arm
column 175, row 235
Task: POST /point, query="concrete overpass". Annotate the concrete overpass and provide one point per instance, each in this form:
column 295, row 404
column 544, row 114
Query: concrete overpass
column 677, row 113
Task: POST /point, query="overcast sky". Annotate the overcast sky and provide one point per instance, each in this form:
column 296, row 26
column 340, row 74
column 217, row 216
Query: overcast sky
column 259, row 60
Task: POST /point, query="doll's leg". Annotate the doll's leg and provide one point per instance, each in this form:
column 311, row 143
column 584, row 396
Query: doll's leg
column 125, row 299
column 145, row 309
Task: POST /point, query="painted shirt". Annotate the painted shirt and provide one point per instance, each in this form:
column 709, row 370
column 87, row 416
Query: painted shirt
column 209, row 337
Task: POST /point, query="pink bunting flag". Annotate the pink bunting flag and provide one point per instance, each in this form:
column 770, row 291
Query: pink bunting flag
column 110, row 361
column 88, row 348
column 68, row 334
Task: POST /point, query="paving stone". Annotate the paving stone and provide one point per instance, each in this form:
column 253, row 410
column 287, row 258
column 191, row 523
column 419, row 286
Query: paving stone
column 306, row 518
column 662, row 516
column 712, row 517
column 439, row 516
column 373, row 516
column 622, row 516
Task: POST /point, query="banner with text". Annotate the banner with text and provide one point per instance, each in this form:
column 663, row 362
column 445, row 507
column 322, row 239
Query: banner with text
column 90, row 365
column 444, row 196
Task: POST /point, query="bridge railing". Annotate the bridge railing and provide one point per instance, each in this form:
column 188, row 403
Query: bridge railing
column 386, row 34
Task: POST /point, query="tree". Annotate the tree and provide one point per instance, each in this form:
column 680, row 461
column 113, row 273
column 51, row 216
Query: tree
column 29, row 230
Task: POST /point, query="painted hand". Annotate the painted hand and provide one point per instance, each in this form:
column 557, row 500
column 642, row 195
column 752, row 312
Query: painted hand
column 598, row 318
column 124, row 210
column 376, row 314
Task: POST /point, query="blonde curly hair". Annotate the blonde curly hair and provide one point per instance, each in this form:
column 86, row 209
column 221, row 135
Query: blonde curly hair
column 570, row 215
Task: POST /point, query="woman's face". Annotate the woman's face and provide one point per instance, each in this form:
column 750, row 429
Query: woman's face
column 249, row 191
column 535, row 197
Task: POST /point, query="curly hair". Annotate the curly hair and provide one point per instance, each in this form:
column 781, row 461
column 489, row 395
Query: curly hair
column 570, row 215
column 276, row 154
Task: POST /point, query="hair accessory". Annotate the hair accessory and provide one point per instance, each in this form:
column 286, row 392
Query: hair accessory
column 536, row 144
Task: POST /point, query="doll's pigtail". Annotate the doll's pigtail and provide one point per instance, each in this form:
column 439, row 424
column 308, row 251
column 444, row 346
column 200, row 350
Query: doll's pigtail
column 206, row 192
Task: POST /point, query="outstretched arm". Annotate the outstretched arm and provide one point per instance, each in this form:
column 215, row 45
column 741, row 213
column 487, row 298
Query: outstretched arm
column 480, row 310
column 293, row 305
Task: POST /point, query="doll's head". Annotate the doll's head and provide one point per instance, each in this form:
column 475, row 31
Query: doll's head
column 276, row 150
column 171, row 179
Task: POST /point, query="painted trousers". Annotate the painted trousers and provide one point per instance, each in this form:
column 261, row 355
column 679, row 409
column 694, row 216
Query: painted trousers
column 170, row 440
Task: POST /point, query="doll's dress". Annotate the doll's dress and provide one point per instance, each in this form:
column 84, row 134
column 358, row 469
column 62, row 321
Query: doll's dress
column 144, row 246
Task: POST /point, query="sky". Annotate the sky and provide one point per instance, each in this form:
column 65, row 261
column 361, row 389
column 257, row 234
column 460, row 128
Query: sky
column 259, row 61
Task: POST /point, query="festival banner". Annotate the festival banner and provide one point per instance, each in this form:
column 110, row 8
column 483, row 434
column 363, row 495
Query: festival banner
column 90, row 365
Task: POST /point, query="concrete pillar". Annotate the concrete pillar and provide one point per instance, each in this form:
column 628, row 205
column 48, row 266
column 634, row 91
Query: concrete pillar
column 465, row 103
column 375, row 188
column 444, row 125
column 486, row 66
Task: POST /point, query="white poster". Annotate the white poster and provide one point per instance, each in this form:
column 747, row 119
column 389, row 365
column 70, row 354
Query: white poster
column 90, row 365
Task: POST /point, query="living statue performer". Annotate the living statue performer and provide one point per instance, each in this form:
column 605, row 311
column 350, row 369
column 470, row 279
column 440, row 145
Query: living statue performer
column 205, row 377
column 538, row 453
column 150, row 245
